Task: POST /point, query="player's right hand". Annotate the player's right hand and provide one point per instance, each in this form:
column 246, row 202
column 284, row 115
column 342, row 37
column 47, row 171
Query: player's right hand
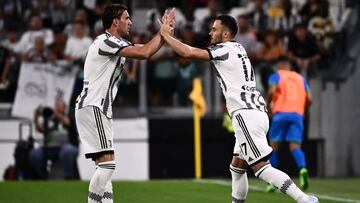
column 167, row 22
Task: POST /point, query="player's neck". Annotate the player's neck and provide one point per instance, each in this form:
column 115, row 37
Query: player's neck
column 113, row 33
column 224, row 40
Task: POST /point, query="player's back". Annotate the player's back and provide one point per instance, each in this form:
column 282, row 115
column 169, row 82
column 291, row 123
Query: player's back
column 290, row 95
column 236, row 77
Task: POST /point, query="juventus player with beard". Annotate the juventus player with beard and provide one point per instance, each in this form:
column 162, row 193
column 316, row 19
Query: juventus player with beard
column 102, row 70
column 245, row 105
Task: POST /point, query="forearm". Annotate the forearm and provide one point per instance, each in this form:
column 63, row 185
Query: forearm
column 5, row 71
column 63, row 119
column 314, row 58
column 38, row 127
column 180, row 48
column 153, row 45
column 143, row 51
column 268, row 99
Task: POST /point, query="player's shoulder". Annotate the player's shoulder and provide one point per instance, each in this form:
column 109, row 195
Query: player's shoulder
column 226, row 45
column 117, row 41
column 110, row 40
column 214, row 47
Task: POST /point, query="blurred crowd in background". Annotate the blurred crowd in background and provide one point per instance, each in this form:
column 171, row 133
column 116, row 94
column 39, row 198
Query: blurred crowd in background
column 48, row 30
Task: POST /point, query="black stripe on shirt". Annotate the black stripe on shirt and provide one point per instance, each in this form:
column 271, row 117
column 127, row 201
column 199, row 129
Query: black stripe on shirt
column 111, row 43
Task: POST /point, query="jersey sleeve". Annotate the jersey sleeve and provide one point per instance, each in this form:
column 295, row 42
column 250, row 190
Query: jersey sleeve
column 218, row 52
column 274, row 79
column 112, row 46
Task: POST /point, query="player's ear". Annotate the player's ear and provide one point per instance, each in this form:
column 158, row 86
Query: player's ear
column 115, row 21
column 225, row 33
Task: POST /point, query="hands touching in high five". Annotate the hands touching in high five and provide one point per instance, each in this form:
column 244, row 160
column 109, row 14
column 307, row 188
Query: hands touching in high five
column 167, row 22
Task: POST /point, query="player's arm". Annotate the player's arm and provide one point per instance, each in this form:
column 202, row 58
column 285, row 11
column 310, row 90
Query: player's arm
column 145, row 51
column 270, row 93
column 38, row 126
column 64, row 119
column 185, row 50
column 180, row 48
column 273, row 82
column 308, row 94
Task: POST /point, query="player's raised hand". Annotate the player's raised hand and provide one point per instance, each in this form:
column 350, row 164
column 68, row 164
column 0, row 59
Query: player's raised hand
column 167, row 22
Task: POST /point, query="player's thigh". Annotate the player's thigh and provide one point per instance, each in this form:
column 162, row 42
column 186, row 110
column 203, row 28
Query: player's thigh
column 95, row 130
column 237, row 150
column 251, row 127
column 296, row 130
column 278, row 129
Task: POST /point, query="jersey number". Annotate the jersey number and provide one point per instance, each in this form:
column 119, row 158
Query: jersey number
column 253, row 101
column 243, row 146
column 243, row 59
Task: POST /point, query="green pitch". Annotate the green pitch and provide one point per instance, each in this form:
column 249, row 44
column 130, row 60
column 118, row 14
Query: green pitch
column 171, row 191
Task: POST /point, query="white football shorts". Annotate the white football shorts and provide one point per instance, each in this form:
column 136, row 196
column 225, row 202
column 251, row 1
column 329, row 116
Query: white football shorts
column 95, row 131
column 251, row 127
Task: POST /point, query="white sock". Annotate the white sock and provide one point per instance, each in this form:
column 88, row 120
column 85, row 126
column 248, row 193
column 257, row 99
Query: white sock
column 239, row 184
column 279, row 180
column 108, row 194
column 100, row 180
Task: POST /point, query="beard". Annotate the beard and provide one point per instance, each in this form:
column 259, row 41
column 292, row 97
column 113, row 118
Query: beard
column 216, row 40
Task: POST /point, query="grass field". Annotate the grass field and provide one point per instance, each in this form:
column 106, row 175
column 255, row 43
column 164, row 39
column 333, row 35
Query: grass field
column 171, row 191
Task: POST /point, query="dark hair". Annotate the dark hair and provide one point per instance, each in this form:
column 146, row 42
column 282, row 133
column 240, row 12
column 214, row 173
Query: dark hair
column 111, row 12
column 228, row 22
column 282, row 59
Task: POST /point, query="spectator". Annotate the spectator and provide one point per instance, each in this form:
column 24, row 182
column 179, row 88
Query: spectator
column 78, row 42
column 165, row 74
column 79, row 17
column 321, row 26
column 302, row 49
column 187, row 72
column 13, row 11
column 312, row 8
column 56, row 146
column 154, row 14
column 58, row 47
column 58, row 12
column 27, row 40
column 128, row 87
column 188, row 9
column 75, row 51
column 246, row 36
column 11, row 39
column 4, row 70
column 282, row 17
column 214, row 9
column 271, row 50
column 9, row 73
column 98, row 11
column 260, row 19
column 39, row 52
column 41, row 8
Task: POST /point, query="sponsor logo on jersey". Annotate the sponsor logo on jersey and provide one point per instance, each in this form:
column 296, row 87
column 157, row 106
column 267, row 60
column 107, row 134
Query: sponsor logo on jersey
column 248, row 88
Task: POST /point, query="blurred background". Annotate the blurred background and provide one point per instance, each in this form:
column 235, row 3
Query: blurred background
column 43, row 45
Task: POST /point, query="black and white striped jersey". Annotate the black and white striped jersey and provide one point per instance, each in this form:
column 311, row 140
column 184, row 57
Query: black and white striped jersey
column 236, row 77
column 102, row 73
